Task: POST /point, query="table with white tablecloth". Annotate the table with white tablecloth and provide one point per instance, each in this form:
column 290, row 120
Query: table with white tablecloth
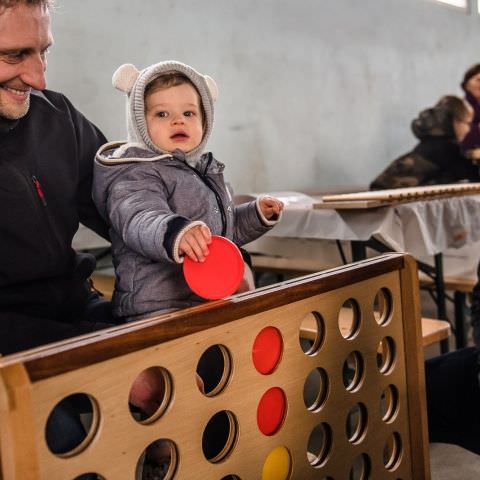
column 423, row 228
column 442, row 229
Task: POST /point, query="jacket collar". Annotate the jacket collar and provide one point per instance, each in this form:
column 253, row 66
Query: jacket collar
column 6, row 125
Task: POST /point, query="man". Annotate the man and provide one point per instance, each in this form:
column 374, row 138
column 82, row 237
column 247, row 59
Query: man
column 46, row 156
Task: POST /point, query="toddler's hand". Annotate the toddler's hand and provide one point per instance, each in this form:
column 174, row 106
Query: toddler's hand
column 270, row 206
column 194, row 243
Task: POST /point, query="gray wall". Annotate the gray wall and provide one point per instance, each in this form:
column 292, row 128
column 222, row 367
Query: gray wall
column 313, row 93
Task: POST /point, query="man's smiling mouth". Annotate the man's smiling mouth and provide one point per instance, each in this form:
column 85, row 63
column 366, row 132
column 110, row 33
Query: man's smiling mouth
column 16, row 91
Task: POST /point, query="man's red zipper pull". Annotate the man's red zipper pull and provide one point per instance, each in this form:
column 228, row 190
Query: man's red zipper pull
column 40, row 193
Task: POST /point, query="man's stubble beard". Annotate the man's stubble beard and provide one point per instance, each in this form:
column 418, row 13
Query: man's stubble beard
column 14, row 113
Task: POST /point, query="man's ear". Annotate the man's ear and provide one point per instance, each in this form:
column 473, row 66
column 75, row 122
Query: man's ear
column 125, row 77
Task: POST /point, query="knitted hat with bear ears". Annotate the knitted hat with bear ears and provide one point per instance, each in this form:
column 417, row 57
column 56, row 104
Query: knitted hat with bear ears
column 133, row 82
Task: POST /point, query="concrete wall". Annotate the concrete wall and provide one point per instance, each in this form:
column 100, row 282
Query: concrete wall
column 313, row 93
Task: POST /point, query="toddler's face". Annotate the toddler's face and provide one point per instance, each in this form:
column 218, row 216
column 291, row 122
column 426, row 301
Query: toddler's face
column 174, row 118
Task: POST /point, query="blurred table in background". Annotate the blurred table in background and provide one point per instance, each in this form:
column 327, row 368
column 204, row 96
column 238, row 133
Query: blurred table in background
column 443, row 234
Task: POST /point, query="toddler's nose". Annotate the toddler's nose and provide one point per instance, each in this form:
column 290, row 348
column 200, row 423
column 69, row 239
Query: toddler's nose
column 178, row 119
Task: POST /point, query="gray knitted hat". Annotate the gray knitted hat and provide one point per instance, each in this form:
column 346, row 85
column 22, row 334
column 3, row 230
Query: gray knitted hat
column 133, row 82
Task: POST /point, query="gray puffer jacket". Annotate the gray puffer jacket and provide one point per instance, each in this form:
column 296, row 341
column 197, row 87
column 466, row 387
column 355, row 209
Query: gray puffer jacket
column 147, row 199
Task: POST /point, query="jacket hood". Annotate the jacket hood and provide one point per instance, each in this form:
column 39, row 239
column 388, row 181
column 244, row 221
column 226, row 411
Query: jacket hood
column 434, row 122
column 133, row 82
column 117, row 153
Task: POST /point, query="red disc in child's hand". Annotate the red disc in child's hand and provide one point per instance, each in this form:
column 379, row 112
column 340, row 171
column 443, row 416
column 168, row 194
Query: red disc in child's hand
column 220, row 274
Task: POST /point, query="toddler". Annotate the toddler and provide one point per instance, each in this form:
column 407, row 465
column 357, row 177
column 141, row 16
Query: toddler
column 162, row 196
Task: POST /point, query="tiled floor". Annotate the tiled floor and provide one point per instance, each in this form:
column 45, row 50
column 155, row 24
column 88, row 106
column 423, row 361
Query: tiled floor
column 450, row 462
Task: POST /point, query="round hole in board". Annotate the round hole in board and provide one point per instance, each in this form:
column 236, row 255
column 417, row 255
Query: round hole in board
column 349, row 319
column 389, row 404
column 312, row 333
column 361, row 468
column 72, row 424
column 214, row 370
column 393, row 452
column 356, row 424
column 219, row 436
column 382, row 306
column 353, row 371
column 150, row 394
column 386, row 355
column 158, row 460
column 319, row 445
column 315, row 389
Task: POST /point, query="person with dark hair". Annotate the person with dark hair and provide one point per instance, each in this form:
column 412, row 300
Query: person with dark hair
column 471, row 87
column 437, row 158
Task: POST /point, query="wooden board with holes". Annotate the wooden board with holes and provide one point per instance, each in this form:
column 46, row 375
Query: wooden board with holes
column 290, row 408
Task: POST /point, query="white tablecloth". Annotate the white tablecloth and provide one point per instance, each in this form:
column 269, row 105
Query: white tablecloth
column 423, row 228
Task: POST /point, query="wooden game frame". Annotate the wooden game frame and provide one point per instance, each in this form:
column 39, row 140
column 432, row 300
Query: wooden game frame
column 395, row 196
column 104, row 365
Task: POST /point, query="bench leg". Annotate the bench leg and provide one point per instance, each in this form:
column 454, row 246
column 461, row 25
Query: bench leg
column 460, row 299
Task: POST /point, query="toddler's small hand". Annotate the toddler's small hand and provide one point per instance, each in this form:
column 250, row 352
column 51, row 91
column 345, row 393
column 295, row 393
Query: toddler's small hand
column 194, row 243
column 270, row 206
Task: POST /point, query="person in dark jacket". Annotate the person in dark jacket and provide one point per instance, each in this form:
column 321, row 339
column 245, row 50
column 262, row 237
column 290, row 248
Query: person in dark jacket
column 47, row 149
column 437, row 158
column 471, row 87
column 453, row 397
column 475, row 310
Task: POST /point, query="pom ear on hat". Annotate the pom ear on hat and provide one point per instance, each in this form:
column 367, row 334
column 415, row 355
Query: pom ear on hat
column 125, row 77
column 212, row 86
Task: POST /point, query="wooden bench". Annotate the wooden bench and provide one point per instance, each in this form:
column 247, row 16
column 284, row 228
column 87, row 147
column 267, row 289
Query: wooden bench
column 433, row 330
column 461, row 288
column 285, row 267
column 104, row 283
column 345, row 402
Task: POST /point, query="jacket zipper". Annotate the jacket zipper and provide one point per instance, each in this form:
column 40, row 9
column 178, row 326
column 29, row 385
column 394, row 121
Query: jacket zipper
column 39, row 190
column 207, row 182
column 54, row 242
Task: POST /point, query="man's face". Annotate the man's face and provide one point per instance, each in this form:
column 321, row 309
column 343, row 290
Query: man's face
column 24, row 40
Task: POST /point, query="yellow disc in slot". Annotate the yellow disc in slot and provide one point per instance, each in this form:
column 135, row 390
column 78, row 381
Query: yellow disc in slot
column 278, row 465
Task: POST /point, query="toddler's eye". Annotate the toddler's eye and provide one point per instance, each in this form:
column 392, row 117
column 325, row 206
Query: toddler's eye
column 189, row 114
column 162, row 114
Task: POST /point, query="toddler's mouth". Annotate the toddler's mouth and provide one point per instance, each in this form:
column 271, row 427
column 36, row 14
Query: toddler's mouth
column 179, row 136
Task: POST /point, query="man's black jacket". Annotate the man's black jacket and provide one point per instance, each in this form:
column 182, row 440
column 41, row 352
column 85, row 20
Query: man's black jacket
column 46, row 161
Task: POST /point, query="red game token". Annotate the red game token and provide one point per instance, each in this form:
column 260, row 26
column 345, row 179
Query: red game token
column 220, row 274
column 267, row 349
column 271, row 410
